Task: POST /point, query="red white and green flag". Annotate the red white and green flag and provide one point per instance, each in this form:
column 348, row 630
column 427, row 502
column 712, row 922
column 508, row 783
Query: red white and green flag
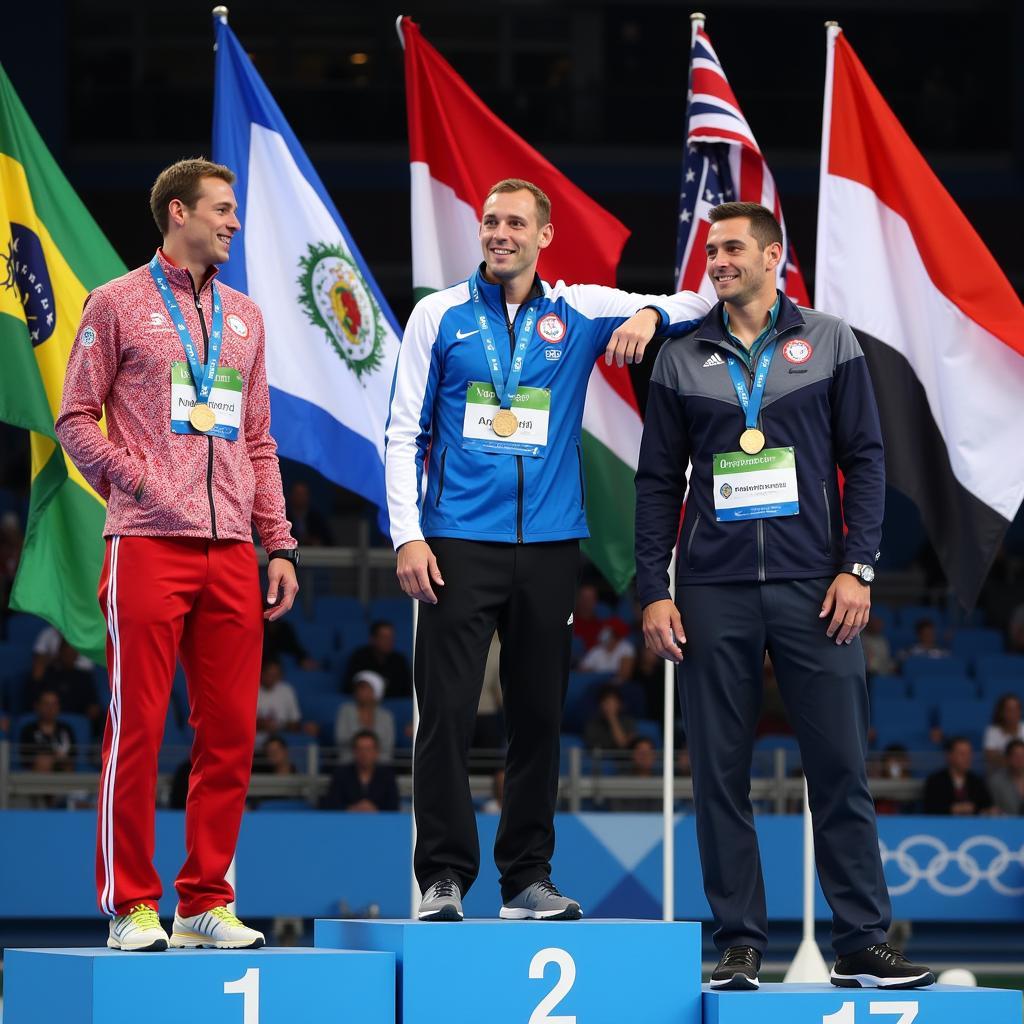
column 458, row 149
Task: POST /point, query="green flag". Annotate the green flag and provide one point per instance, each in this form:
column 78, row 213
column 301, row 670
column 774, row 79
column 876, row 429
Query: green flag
column 52, row 254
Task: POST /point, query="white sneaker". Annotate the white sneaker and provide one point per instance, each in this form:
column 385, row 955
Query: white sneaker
column 216, row 928
column 137, row 931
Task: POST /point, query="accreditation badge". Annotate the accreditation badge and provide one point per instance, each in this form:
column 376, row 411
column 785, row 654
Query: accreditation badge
column 225, row 401
column 531, row 408
column 759, row 486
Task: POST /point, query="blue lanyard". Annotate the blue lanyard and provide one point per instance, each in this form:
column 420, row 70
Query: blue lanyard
column 750, row 401
column 505, row 391
column 202, row 377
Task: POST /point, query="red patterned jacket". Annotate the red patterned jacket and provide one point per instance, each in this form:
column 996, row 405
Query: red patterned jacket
column 194, row 485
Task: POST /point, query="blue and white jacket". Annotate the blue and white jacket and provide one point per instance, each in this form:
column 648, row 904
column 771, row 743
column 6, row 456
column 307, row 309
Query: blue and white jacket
column 489, row 497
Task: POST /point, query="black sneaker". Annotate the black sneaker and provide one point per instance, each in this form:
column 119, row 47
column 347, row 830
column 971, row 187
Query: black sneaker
column 879, row 966
column 737, row 969
column 441, row 902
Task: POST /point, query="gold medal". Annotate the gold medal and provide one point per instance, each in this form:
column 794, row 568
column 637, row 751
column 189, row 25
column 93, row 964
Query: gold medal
column 202, row 417
column 752, row 440
column 504, row 423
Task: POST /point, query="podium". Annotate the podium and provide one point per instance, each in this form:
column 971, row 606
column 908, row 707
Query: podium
column 262, row 986
column 826, row 1004
column 534, row 972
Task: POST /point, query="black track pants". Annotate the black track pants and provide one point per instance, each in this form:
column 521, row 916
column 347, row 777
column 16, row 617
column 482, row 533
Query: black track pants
column 526, row 592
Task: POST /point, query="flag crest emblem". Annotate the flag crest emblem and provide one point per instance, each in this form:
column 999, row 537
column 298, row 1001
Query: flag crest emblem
column 24, row 270
column 798, row 350
column 551, row 328
column 336, row 300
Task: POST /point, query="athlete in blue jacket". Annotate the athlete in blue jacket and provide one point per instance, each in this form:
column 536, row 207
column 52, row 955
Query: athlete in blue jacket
column 764, row 400
column 488, row 402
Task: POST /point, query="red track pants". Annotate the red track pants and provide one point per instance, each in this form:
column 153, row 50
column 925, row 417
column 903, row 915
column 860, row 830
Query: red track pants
column 197, row 600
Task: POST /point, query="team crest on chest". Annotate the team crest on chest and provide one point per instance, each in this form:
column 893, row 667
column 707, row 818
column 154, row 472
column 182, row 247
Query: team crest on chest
column 237, row 324
column 551, row 328
column 798, row 350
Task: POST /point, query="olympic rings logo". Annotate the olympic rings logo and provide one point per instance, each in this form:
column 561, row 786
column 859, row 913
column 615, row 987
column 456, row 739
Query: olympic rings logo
column 963, row 857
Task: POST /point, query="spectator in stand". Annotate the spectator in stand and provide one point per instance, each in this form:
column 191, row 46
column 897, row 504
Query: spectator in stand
column 612, row 653
column 69, row 675
column 955, row 789
column 309, row 527
column 364, row 714
column 280, row 638
column 489, row 733
column 642, row 765
column 493, row 804
column 585, row 623
column 380, row 656
column 877, row 653
column 277, row 706
column 926, row 643
column 609, row 728
column 364, row 785
column 895, row 764
column 273, row 758
column 46, row 650
column 1007, row 783
column 47, row 744
column 1006, row 725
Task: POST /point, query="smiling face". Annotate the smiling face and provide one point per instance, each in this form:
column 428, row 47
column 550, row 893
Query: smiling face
column 204, row 231
column 511, row 235
column 739, row 269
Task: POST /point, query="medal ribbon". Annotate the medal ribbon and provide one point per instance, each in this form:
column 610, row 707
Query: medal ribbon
column 202, row 376
column 504, row 390
column 750, row 401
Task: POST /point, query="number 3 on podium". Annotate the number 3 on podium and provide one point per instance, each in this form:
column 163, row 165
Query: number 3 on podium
column 566, row 978
column 845, row 1014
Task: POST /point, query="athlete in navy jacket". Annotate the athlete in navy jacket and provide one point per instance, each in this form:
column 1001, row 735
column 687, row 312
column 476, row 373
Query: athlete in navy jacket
column 488, row 400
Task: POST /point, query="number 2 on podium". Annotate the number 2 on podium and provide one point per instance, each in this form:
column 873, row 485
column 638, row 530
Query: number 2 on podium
column 845, row 1014
column 248, row 987
column 566, row 979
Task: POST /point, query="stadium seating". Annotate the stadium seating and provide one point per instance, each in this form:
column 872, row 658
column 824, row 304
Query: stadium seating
column 965, row 717
column 930, row 667
column 930, row 689
column 901, row 720
column 80, row 729
column 971, row 643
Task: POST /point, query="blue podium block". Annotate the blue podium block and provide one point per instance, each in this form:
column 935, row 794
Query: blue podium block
column 826, row 1004
column 221, row 986
column 535, row 972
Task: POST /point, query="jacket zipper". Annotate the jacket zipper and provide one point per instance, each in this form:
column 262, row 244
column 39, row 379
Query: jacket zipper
column 828, row 519
column 579, row 462
column 440, row 479
column 209, row 438
column 689, row 542
column 510, row 326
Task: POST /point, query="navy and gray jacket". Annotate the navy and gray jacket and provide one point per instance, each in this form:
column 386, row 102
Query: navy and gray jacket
column 818, row 398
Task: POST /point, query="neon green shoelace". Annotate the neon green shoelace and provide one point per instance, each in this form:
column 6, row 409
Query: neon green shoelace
column 144, row 917
column 225, row 915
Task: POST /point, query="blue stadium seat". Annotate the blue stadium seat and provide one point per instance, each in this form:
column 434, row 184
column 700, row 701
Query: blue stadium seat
column 353, row 631
column 331, row 609
column 999, row 666
column 970, row 643
column 322, row 708
column 651, row 730
column 993, row 687
column 889, row 686
column 960, row 717
column 579, row 701
column 932, row 667
column 763, row 764
column 319, row 640
column 932, row 689
column 885, row 613
column 401, row 711
column 909, row 614
column 314, row 682
column 901, row 720
column 571, row 743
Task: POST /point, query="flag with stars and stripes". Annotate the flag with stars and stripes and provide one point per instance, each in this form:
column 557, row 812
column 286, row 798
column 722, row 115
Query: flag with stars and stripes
column 722, row 163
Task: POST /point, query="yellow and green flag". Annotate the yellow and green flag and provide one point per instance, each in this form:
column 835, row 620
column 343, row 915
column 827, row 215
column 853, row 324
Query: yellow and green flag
column 52, row 253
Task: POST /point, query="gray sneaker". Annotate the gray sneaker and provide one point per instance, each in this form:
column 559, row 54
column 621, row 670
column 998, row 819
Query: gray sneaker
column 541, row 902
column 441, row 902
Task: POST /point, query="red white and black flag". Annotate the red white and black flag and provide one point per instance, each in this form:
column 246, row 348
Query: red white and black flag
column 940, row 325
column 722, row 163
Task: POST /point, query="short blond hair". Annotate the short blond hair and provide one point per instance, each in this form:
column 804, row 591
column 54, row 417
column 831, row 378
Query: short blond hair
column 521, row 185
column 183, row 180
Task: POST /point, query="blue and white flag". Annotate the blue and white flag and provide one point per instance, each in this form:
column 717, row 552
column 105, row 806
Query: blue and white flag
column 332, row 341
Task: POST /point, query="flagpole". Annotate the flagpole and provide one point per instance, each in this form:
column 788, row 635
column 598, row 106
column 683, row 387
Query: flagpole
column 668, row 842
column 414, row 888
column 222, row 13
column 398, row 29
column 832, row 30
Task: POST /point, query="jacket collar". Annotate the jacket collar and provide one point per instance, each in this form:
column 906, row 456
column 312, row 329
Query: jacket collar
column 180, row 276
column 494, row 294
column 712, row 327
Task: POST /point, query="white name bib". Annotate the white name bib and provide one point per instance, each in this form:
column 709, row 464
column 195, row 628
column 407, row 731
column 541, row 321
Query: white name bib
column 532, row 408
column 761, row 486
column 225, row 401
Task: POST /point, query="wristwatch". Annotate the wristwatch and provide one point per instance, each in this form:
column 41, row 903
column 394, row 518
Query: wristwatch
column 864, row 573
column 288, row 554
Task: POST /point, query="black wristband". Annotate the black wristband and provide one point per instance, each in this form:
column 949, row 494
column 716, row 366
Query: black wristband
column 288, row 554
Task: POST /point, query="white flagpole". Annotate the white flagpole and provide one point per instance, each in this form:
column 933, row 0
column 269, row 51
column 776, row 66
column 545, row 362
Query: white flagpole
column 832, row 30
column 414, row 892
column 668, row 842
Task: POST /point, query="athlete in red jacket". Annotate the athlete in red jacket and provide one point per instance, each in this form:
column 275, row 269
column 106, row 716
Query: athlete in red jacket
column 175, row 361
